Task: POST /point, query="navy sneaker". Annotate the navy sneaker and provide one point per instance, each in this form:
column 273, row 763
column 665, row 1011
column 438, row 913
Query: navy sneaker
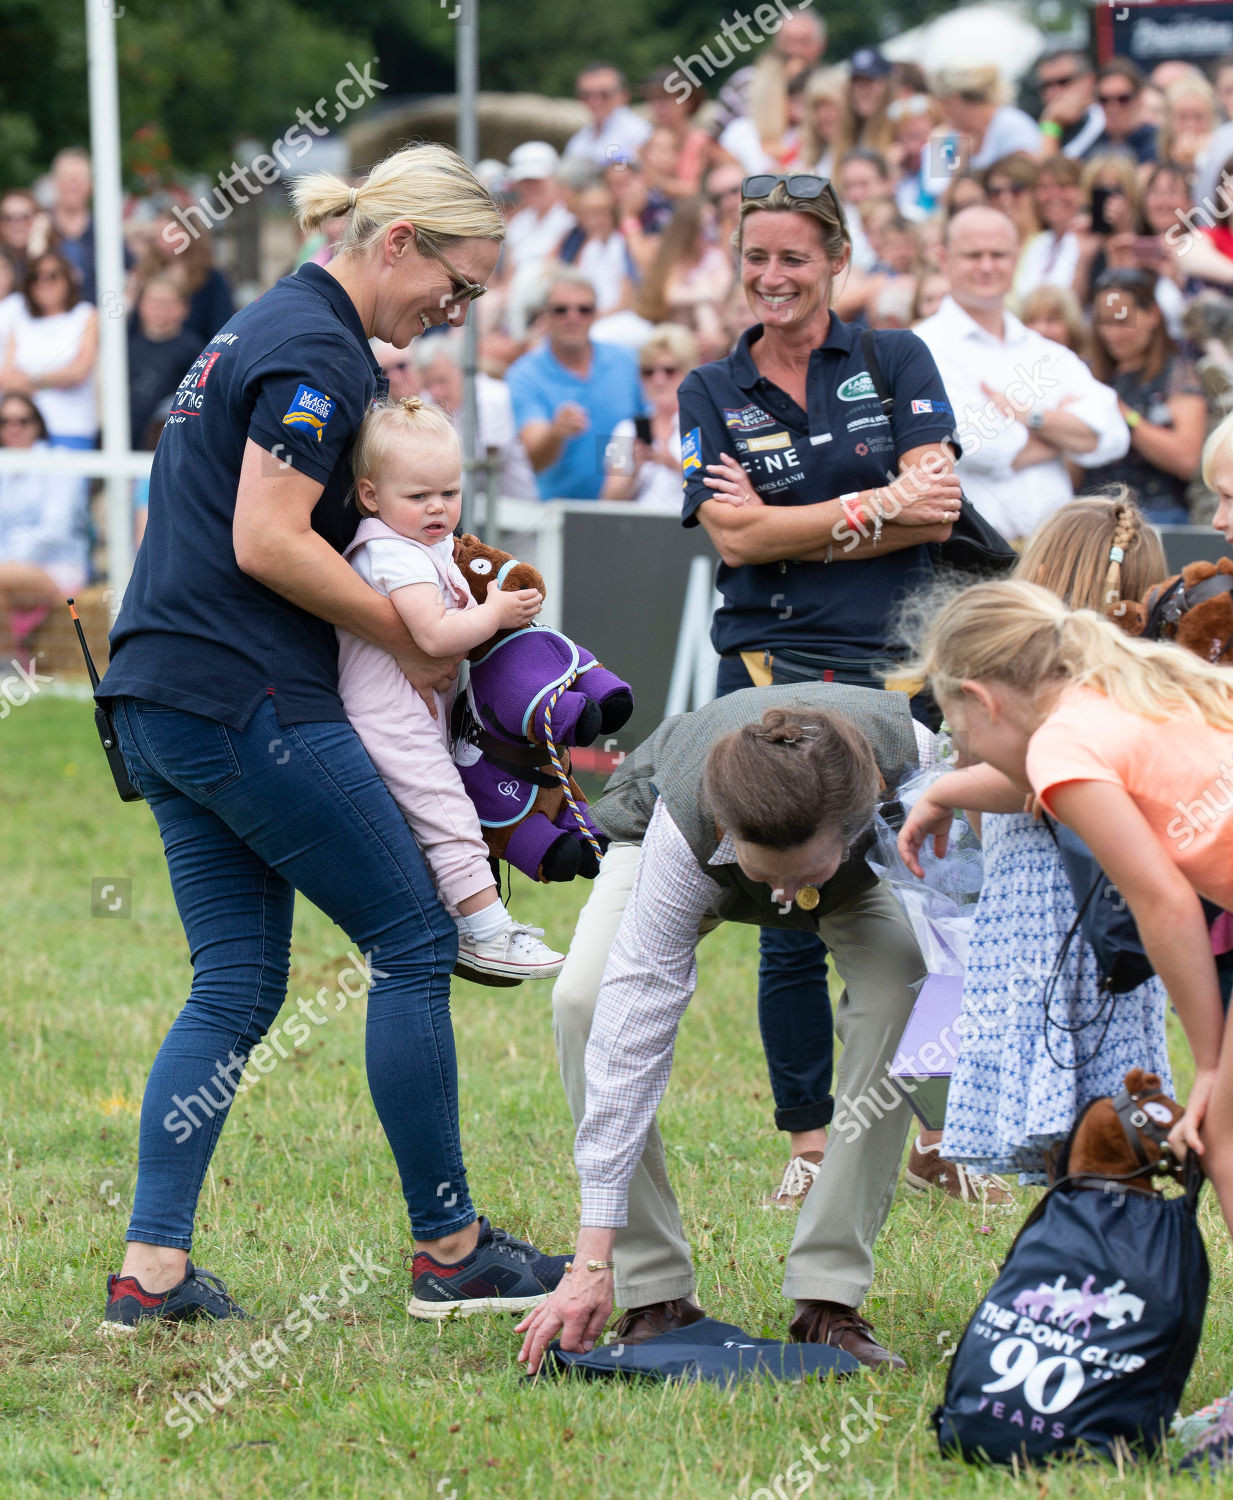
column 501, row 1274
column 199, row 1295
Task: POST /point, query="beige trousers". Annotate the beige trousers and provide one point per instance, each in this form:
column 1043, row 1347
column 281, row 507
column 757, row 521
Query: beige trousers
column 831, row 1259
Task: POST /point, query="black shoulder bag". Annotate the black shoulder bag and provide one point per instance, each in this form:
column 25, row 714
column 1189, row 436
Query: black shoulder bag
column 974, row 545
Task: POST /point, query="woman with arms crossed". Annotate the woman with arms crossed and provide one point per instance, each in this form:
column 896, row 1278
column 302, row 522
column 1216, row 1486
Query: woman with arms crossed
column 790, row 464
column 224, row 683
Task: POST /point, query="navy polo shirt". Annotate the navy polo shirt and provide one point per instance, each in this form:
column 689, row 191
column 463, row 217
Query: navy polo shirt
column 294, row 372
column 843, row 442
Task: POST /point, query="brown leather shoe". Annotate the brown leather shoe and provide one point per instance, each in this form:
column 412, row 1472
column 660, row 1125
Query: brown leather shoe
column 844, row 1328
column 638, row 1324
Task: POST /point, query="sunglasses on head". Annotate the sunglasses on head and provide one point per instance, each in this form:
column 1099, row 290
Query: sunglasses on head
column 803, row 185
column 463, row 290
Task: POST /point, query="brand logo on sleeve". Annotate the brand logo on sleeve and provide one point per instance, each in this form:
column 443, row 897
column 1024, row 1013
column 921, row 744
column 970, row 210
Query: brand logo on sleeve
column 691, row 450
column 773, row 440
column 309, row 409
column 747, row 418
column 857, row 387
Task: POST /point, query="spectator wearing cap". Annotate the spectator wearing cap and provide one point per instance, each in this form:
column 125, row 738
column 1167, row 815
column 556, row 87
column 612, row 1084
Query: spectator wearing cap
column 863, row 123
column 1119, row 92
column 988, row 128
column 570, row 392
column 542, row 220
column 615, row 130
column 1071, row 120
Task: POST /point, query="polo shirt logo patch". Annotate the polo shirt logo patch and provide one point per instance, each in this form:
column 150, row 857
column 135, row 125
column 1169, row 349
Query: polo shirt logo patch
column 691, row 450
column 774, row 440
column 921, row 407
column 309, row 409
column 207, row 364
column 857, row 388
column 747, row 418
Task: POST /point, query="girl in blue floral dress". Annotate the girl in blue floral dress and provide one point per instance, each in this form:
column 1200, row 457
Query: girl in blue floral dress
column 1018, row 1088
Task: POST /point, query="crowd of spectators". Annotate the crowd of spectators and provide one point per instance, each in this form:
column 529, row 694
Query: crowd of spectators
column 1107, row 246
column 619, row 263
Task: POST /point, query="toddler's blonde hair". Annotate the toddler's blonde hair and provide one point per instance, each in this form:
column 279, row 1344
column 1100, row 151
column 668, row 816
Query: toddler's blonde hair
column 1217, row 450
column 407, row 420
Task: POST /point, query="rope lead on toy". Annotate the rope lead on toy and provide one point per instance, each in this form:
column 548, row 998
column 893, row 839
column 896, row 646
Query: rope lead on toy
column 555, row 758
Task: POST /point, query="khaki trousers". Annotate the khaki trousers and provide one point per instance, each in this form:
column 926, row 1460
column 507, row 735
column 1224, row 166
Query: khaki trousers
column 831, row 1259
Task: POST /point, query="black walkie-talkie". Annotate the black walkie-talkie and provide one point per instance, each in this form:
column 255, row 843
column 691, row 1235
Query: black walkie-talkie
column 104, row 723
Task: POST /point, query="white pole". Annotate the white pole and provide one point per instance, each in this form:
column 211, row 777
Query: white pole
column 112, row 370
column 466, row 62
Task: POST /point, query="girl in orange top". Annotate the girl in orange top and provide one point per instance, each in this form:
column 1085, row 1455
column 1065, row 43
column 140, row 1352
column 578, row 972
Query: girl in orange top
column 1130, row 743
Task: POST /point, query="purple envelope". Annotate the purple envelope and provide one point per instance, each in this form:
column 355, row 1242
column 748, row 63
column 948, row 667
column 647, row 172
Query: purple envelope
column 928, row 1048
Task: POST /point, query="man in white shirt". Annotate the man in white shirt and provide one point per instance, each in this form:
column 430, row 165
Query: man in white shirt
column 542, row 221
column 1023, row 405
column 615, row 132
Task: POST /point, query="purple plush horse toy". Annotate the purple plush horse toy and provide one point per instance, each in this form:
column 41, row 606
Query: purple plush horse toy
column 531, row 694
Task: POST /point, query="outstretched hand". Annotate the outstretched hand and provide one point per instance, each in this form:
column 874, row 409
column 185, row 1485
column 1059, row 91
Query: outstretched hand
column 577, row 1310
column 928, row 819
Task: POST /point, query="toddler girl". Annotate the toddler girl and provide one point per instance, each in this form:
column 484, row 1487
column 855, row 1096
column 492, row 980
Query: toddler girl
column 407, row 463
column 1019, row 1084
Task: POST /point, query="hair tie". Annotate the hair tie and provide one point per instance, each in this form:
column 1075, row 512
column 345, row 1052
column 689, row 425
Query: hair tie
column 411, row 404
column 1116, row 555
column 351, row 197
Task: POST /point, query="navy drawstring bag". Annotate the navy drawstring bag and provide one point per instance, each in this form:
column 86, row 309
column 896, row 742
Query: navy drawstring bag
column 1087, row 1336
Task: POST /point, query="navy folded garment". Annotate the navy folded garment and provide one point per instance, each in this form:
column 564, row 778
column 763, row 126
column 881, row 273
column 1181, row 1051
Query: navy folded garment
column 706, row 1350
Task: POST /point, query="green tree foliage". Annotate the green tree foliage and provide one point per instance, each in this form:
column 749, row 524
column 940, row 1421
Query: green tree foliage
column 210, row 72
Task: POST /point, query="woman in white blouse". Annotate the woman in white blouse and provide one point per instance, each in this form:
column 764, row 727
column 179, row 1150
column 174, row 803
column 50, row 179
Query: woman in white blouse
column 51, row 352
column 650, row 473
column 44, row 553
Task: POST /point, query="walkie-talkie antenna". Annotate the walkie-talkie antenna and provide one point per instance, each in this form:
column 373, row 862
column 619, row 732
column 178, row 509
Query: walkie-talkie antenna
column 85, row 649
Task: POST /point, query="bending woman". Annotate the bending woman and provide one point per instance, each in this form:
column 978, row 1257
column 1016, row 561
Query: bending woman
column 224, row 682
column 753, row 809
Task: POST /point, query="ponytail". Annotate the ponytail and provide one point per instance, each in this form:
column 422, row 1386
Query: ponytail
column 798, row 773
column 428, row 185
column 1023, row 636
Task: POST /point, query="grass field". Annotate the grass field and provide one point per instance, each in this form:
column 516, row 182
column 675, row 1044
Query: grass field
column 371, row 1403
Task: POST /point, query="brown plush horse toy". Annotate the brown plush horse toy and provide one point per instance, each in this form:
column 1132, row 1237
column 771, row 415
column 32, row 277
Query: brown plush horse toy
column 1115, row 1136
column 1193, row 608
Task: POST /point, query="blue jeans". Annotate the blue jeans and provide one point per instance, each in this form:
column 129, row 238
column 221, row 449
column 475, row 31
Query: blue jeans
column 247, row 820
column 794, row 1003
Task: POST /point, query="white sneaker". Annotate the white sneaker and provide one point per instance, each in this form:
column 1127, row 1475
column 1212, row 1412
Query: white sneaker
column 516, row 952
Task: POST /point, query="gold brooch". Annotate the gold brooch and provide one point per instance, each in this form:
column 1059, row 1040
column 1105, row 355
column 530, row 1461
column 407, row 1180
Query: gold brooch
column 807, row 897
